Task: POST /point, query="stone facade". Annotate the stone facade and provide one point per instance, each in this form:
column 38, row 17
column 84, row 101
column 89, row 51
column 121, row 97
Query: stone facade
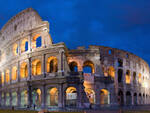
column 35, row 73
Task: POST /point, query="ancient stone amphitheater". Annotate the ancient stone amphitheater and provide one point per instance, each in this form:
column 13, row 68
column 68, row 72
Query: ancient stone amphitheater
column 36, row 73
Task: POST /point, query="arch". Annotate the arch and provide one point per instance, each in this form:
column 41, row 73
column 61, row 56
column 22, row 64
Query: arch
column 90, row 95
column 140, row 78
column 134, row 77
column 24, row 98
column 88, row 67
column 37, row 41
column 24, row 45
column 128, row 77
column 24, row 70
column 36, row 97
column 120, row 98
column 120, row 62
column 14, row 98
column 2, row 77
column 104, row 97
column 109, row 51
column 71, row 97
column 52, row 97
column 7, row 99
column 36, row 67
column 135, row 98
column 111, row 71
column 73, row 66
column 52, row 64
column 140, row 98
column 120, row 74
column 2, row 99
column 14, row 73
column 7, row 75
column 128, row 98
column 15, row 49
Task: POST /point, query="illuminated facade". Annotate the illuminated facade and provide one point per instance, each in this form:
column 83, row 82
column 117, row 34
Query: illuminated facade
column 37, row 73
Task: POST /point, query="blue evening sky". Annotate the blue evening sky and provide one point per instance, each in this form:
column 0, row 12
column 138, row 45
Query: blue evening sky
column 123, row 24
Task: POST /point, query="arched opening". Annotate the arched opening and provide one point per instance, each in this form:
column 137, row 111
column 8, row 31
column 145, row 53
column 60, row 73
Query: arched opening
column 90, row 95
column 110, row 52
column 88, row 67
column 140, row 78
column 14, row 73
column 134, row 77
column 73, row 66
column 120, row 74
column 120, row 62
column 36, row 67
column 128, row 98
column 7, row 76
column 143, row 99
column 140, row 98
column 2, row 77
column 24, row 70
column 52, row 97
column 120, row 98
column 135, row 99
column 71, row 97
column 52, row 64
column 36, row 97
column 2, row 99
column 111, row 71
column 24, row 98
column 15, row 49
column 105, row 71
column 128, row 77
column 24, row 45
column 7, row 99
column 37, row 41
column 14, row 98
column 104, row 97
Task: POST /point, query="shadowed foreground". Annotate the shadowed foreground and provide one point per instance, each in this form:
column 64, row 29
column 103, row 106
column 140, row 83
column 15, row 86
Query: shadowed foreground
column 89, row 111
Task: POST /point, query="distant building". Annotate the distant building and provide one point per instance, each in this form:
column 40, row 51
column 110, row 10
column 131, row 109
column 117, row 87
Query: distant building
column 35, row 73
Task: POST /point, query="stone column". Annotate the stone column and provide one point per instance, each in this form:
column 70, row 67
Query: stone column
column 19, row 48
column 30, row 43
column 10, row 96
column 29, row 95
column 132, row 97
column 61, row 63
column 29, row 68
column 61, row 96
column 10, row 75
column 43, row 65
column 18, row 71
column 97, row 97
column 113, row 97
column 18, row 98
column 43, row 97
column 124, row 97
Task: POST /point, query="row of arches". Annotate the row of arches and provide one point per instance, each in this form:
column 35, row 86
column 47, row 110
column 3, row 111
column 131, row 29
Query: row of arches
column 88, row 67
column 35, row 43
column 52, row 66
column 136, row 98
column 135, row 78
column 52, row 95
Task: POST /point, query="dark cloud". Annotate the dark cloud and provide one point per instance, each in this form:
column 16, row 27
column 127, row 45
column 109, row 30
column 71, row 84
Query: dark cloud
column 121, row 24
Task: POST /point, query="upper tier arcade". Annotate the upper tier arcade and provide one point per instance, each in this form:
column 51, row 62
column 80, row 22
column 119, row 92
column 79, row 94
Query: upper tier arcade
column 25, row 22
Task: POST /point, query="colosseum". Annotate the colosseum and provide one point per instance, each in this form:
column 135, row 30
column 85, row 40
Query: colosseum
column 36, row 73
